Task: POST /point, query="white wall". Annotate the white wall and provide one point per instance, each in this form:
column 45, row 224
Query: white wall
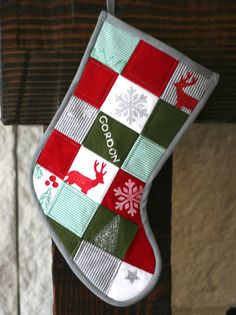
column 204, row 220
column 25, row 250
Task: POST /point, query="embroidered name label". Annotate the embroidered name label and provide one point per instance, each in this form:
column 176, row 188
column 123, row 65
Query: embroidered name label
column 108, row 137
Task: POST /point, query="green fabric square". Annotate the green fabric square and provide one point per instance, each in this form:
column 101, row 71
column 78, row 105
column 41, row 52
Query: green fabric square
column 66, row 237
column 110, row 139
column 111, row 232
column 72, row 209
column 143, row 158
column 114, row 47
column 164, row 123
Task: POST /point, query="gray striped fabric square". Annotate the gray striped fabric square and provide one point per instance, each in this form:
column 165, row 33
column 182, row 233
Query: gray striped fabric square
column 97, row 265
column 185, row 86
column 77, row 119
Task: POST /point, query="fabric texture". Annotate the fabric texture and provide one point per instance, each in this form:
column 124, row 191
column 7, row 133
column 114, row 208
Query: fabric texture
column 142, row 158
column 185, row 88
column 110, row 232
column 110, row 135
column 107, row 48
column 71, row 296
column 126, row 276
column 124, row 196
column 151, row 68
column 133, row 101
column 97, row 265
column 46, row 185
column 164, row 124
column 95, row 83
column 69, row 240
column 91, row 174
column 129, row 103
column 77, row 119
column 141, row 245
column 71, row 216
column 58, row 154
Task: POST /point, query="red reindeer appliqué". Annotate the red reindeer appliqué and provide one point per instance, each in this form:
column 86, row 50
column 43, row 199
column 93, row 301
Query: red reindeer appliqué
column 86, row 183
column 183, row 99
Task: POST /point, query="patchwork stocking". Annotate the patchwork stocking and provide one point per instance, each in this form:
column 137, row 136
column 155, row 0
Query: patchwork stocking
column 129, row 104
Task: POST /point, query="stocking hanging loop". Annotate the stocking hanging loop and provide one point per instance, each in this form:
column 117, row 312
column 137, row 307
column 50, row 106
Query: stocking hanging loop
column 111, row 6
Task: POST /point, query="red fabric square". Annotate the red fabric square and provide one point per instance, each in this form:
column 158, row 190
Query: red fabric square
column 95, row 83
column 150, row 67
column 58, row 154
column 124, row 195
column 140, row 253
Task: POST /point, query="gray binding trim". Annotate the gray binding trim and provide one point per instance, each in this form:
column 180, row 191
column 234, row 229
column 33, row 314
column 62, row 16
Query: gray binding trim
column 111, row 6
column 214, row 77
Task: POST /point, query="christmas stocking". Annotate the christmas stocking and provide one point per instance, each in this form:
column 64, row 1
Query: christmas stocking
column 129, row 104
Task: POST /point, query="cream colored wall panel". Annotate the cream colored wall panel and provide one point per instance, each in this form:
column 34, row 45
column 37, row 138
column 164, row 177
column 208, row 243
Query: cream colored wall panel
column 8, row 270
column 35, row 244
column 204, row 218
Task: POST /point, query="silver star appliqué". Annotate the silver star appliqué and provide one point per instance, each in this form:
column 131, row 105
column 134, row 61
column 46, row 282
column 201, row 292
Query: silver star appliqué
column 132, row 276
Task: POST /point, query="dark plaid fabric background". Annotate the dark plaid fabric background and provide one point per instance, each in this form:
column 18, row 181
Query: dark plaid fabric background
column 43, row 41
column 71, row 297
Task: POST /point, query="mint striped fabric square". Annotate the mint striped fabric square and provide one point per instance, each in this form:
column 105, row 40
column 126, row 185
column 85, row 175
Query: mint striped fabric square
column 77, row 119
column 143, row 158
column 72, row 209
column 114, row 47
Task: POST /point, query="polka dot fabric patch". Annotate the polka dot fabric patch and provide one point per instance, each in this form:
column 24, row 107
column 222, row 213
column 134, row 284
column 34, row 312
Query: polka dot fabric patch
column 129, row 104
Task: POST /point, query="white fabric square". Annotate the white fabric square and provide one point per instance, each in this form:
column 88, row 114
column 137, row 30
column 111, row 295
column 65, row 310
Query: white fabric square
column 46, row 185
column 129, row 282
column 91, row 174
column 129, row 103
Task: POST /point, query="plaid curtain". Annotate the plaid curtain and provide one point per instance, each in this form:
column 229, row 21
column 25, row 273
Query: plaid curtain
column 42, row 43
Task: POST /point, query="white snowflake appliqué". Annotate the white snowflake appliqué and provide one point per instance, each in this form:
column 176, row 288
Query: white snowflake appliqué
column 128, row 197
column 131, row 105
